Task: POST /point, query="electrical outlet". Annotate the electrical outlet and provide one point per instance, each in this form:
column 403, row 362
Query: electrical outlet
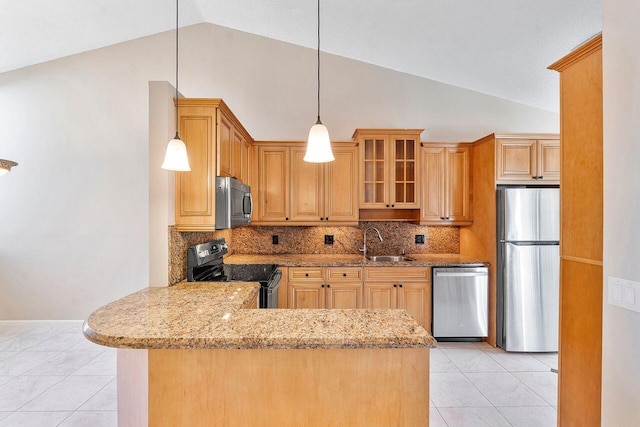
column 274, row 239
column 328, row 239
column 419, row 239
column 624, row 293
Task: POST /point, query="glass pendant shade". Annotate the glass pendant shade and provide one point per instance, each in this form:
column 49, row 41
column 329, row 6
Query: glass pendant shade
column 318, row 145
column 176, row 158
column 6, row 165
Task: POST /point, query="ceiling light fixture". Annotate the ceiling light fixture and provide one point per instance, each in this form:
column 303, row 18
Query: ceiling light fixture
column 6, row 165
column 176, row 159
column 319, row 143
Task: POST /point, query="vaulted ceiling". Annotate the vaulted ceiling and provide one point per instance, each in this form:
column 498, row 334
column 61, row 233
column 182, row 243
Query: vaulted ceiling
column 497, row 47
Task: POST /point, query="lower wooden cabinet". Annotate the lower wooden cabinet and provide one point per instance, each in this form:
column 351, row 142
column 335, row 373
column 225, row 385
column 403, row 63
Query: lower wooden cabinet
column 400, row 287
column 320, row 287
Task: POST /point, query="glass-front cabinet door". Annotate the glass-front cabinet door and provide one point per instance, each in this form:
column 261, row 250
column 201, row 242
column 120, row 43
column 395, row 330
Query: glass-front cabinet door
column 389, row 168
column 375, row 172
column 404, row 193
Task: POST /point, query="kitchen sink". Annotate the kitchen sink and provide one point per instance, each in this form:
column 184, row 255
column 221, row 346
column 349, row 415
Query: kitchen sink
column 390, row 258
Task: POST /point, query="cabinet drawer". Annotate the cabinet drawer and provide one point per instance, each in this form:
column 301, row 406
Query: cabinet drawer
column 344, row 274
column 397, row 274
column 303, row 274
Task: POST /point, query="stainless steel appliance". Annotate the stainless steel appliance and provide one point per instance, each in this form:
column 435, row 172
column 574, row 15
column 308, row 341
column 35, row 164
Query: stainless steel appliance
column 234, row 204
column 205, row 264
column 528, row 268
column 460, row 302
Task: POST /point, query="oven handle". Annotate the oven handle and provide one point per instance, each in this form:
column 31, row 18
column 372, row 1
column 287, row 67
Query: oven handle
column 275, row 279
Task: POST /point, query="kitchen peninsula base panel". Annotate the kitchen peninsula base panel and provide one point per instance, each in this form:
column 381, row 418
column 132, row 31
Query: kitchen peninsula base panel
column 270, row 387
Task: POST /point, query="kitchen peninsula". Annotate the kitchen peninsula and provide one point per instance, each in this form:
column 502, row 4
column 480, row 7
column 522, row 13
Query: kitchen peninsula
column 198, row 354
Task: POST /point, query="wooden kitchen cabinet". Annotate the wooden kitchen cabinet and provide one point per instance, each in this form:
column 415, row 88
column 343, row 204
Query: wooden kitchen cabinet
column 325, row 287
column 446, row 184
column 532, row 160
column 389, row 168
column 207, row 127
column 408, row 288
column 292, row 191
column 273, row 185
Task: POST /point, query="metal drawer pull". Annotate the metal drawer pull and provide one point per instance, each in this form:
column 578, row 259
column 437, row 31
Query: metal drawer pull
column 439, row 274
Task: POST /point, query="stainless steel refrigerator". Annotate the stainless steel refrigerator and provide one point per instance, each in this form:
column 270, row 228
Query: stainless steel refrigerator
column 528, row 268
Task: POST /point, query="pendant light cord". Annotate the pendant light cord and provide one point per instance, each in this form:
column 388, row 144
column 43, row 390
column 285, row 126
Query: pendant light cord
column 318, row 122
column 176, row 119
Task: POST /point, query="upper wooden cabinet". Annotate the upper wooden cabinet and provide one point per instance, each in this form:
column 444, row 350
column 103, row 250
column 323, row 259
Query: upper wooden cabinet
column 389, row 168
column 446, row 184
column 292, row 191
column 207, row 127
column 534, row 160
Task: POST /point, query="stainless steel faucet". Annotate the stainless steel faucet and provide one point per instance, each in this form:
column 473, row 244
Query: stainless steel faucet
column 364, row 248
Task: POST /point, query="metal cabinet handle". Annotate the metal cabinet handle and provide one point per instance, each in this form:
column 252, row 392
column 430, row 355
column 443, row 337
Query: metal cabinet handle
column 306, row 274
column 321, row 218
column 540, row 177
column 400, row 285
column 286, row 219
column 393, row 206
column 387, row 205
column 328, row 286
column 326, row 218
column 395, row 286
column 322, row 285
column 344, row 274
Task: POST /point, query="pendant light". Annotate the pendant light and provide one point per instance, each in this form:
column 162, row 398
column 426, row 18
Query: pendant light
column 175, row 159
column 318, row 144
column 6, row 165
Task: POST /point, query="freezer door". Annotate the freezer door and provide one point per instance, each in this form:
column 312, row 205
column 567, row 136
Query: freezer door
column 530, row 214
column 460, row 302
column 531, row 297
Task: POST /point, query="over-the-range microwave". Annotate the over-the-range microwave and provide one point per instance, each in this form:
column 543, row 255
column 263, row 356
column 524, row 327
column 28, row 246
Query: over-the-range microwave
column 234, row 204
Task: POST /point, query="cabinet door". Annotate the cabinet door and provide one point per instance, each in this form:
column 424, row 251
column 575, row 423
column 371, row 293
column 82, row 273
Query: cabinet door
column 306, row 295
column 403, row 185
column 195, row 189
column 244, row 167
column 307, row 195
column 415, row 298
column 549, row 160
column 273, row 184
column 373, row 173
column 516, row 159
column 236, row 155
column 283, row 289
column 457, row 184
column 433, row 187
column 341, row 186
column 224, row 145
column 380, row 295
column 344, row 295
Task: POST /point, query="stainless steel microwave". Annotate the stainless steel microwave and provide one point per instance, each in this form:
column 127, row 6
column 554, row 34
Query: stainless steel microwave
column 234, row 204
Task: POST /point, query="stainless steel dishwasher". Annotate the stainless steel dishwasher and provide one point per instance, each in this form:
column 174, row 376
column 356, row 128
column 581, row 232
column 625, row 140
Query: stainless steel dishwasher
column 460, row 302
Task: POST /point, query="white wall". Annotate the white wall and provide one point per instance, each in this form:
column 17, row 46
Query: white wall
column 621, row 328
column 161, row 183
column 75, row 214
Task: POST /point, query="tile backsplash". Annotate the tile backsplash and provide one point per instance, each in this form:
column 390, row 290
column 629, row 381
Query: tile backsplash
column 310, row 240
column 347, row 240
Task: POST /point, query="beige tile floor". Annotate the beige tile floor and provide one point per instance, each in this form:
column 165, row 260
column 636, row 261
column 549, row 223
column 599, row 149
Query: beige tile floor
column 50, row 375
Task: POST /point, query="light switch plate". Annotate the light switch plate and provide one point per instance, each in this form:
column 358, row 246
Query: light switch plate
column 624, row 293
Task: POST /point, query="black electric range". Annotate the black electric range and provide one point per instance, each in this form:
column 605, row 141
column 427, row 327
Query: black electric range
column 205, row 264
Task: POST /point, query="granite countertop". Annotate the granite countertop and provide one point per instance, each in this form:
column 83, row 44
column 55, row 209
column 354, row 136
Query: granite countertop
column 207, row 315
column 354, row 260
